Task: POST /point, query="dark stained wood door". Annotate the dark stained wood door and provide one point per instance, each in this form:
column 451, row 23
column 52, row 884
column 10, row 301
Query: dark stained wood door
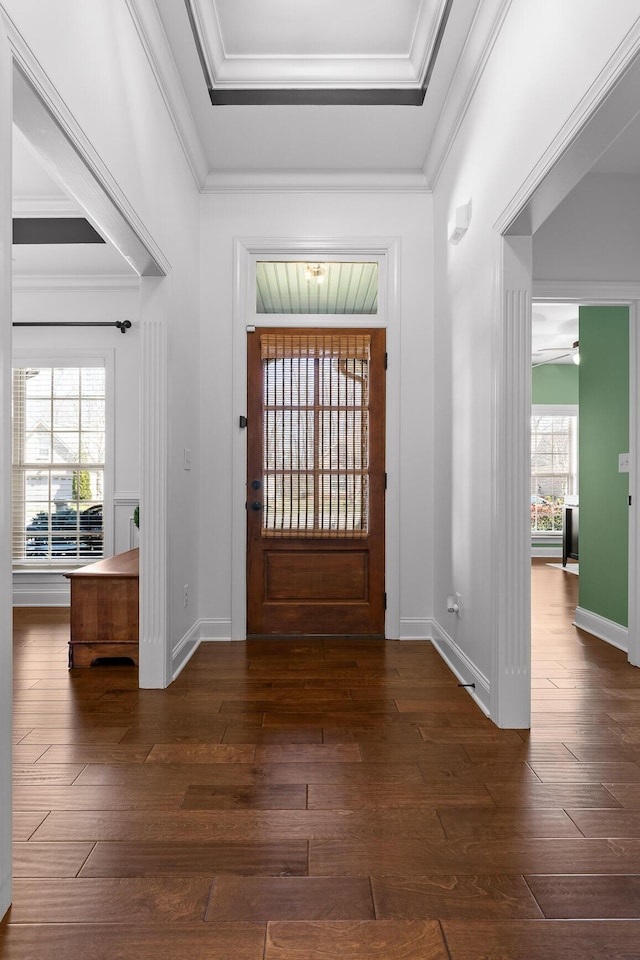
column 316, row 482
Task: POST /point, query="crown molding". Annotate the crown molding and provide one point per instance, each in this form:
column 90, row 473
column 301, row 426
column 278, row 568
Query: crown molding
column 153, row 37
column 271, row 70
column 45, row 207
column 587, row 291
column 318, row 181
column 95, row 284
column 484, row 31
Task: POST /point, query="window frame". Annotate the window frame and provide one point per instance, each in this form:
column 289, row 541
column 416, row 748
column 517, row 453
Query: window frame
column 78, row 357
column 317, row 254
column 556, row 410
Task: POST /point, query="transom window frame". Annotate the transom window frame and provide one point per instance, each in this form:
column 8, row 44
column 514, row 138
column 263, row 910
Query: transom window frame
column 317, row 255
column 558, row 410
column 78, row 357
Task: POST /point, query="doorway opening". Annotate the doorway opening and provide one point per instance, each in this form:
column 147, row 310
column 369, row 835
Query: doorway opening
column 317, row 449
column 591, row 503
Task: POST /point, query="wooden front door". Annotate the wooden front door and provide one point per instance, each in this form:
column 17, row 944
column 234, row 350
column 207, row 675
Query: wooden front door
column 316, row 482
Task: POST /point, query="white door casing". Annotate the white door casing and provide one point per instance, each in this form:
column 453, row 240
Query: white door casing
column 247, row 251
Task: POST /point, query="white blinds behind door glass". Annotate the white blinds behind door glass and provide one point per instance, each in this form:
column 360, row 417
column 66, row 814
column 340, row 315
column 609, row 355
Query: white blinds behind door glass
column 315, row 435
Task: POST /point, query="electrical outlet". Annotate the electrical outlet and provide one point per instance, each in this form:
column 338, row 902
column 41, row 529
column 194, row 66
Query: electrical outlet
column 186, row 594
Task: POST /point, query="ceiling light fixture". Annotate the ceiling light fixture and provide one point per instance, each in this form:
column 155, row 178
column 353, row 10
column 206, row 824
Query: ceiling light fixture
column 314, row 271
column 575, row 355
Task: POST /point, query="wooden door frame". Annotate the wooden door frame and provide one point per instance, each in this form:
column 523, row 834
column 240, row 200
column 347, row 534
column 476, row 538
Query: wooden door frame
column 247, row 250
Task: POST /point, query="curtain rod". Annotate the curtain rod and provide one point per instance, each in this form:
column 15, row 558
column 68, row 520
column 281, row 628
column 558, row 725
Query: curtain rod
column 122, row 325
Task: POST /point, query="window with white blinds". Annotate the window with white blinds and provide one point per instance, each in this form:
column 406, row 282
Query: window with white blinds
column 554, row 466
column 315, row 435
column 58, row 436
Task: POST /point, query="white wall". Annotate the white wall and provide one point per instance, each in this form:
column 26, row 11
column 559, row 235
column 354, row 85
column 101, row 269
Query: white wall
column 93, row 64
column 90, row 62
column 517, row 111
column 47, row 301
column 304, row 216
column 593, row 234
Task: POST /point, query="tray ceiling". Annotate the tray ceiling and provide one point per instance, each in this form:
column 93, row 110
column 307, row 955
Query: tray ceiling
column 334, row 89
column 282, row 51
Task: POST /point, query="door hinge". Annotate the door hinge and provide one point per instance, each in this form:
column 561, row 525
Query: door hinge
column 384, row 600
column 242, row 423
column 386, row 361
column 385, row 480
column 629, row 499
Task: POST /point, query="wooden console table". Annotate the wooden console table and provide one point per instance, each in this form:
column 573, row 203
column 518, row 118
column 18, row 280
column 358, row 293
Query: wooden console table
column 104, row 610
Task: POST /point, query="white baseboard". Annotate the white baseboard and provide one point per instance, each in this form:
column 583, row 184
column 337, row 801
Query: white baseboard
column 551, row 552
column 204, row 631
column 607, row 630
column 415, row 629
column 39, row 589
column 184, row 650
column 463, row 668
column 211, row 629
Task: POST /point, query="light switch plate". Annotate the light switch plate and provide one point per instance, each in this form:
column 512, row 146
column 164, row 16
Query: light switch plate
column 623, row 463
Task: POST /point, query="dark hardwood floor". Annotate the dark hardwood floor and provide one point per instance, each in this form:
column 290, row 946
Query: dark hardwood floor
column 294, row 800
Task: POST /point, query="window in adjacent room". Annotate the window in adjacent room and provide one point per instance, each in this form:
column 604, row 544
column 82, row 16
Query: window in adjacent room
column 59, row 441
column 554, row 465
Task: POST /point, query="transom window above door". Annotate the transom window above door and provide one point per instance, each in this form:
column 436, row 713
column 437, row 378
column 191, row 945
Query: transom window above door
column 317, row 287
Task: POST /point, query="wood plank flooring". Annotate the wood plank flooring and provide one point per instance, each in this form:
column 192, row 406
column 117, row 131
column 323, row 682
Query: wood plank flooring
column 307, row 800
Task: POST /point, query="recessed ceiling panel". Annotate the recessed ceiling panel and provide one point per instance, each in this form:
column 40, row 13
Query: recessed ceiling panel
column 333, row 28
column 285, row 51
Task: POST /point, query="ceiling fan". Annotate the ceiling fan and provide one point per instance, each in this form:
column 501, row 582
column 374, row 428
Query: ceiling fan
column 573, row 351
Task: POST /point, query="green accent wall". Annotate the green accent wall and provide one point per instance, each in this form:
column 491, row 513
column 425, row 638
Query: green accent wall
column 554, row 383
column 603, row 433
